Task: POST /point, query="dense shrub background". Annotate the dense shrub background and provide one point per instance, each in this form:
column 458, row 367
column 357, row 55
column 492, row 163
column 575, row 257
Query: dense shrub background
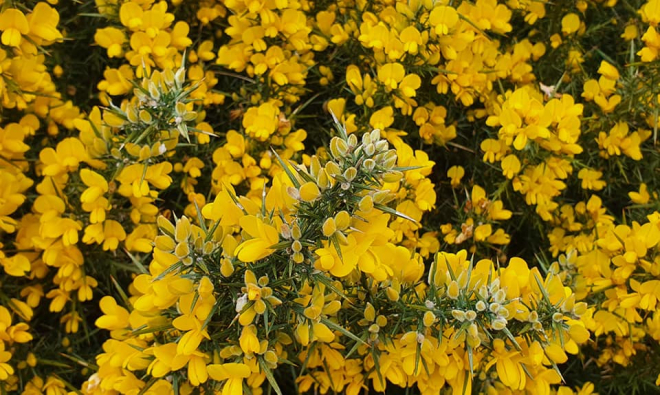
column 285, row 196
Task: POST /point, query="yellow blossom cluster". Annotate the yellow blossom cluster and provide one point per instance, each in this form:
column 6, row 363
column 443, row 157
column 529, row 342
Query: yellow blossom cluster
column 175, row 324
column 623, row 267
column 286, row 196
column 482, row 214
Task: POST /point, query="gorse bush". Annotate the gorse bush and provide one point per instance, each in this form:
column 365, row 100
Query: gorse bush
column 247, row 197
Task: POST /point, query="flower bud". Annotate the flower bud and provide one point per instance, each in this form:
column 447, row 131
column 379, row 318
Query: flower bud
column 370, row 312
column 343, row 240
column 131, row 114
column 293, row 193
column 382, row 146
column 182, row 250
column 164, row 243
column 31, row 360
column 429, row 319
column 168, row 77
column 145, row 116
column 375, row 135
column 580, row 308
column 480, row 305
column 226, row 268
column 332, row 168
column 329, row 227
column 314, row 166
column 342, row 220
column 366, row 139
column 498, row 323
column 285, row 231
column 165, row 225
column 350, row 174
column 392, row 294
column 471, row 315
column 392, row 176
column 369, row 164
column 382, row 197
column 452, row 290
column 309, row 191
column 352, row 141
column 323, row 180
column 366, row 204
column 338, row 147
column 499, row 296
column 180, row 77
column 389, row 161
column 473, row 330
column 295, row 232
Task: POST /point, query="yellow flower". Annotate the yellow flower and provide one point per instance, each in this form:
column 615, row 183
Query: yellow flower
column 249, row 341
column 510, row 166
column 33, row 295
column 391, row 74
column 570, row 24
column 410, row 84
column 651, row 12
column 43, row 23
column 641, row 197
column 263, row 237
column 328, row 260
column 591, row 179
column 455, row 174
column 354, row 80
column 114, row 316
column 630, row 33
column 492, row 150
column 97, row 186
column 497, row 212
column 482, row 232
column 197, row 370
column 309, row 191
column 411, row 39
column 609, row 71
column 5, row 369
column 65, row 158
column 442, row 19
column 507, row 364
column 193, row 325
column 13, row 25
column 111, row 39
column 17, row 266
column 166, row 360
column 131, row 15
column 232, row 374
column 425, row 195
column 329, row 227
column 382, row 118
column 261, row 122
column 591, row 89
column 652, row 40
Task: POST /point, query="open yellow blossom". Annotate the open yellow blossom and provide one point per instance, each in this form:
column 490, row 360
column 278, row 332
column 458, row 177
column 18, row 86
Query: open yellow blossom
column 13, row 25
column 264, row 236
